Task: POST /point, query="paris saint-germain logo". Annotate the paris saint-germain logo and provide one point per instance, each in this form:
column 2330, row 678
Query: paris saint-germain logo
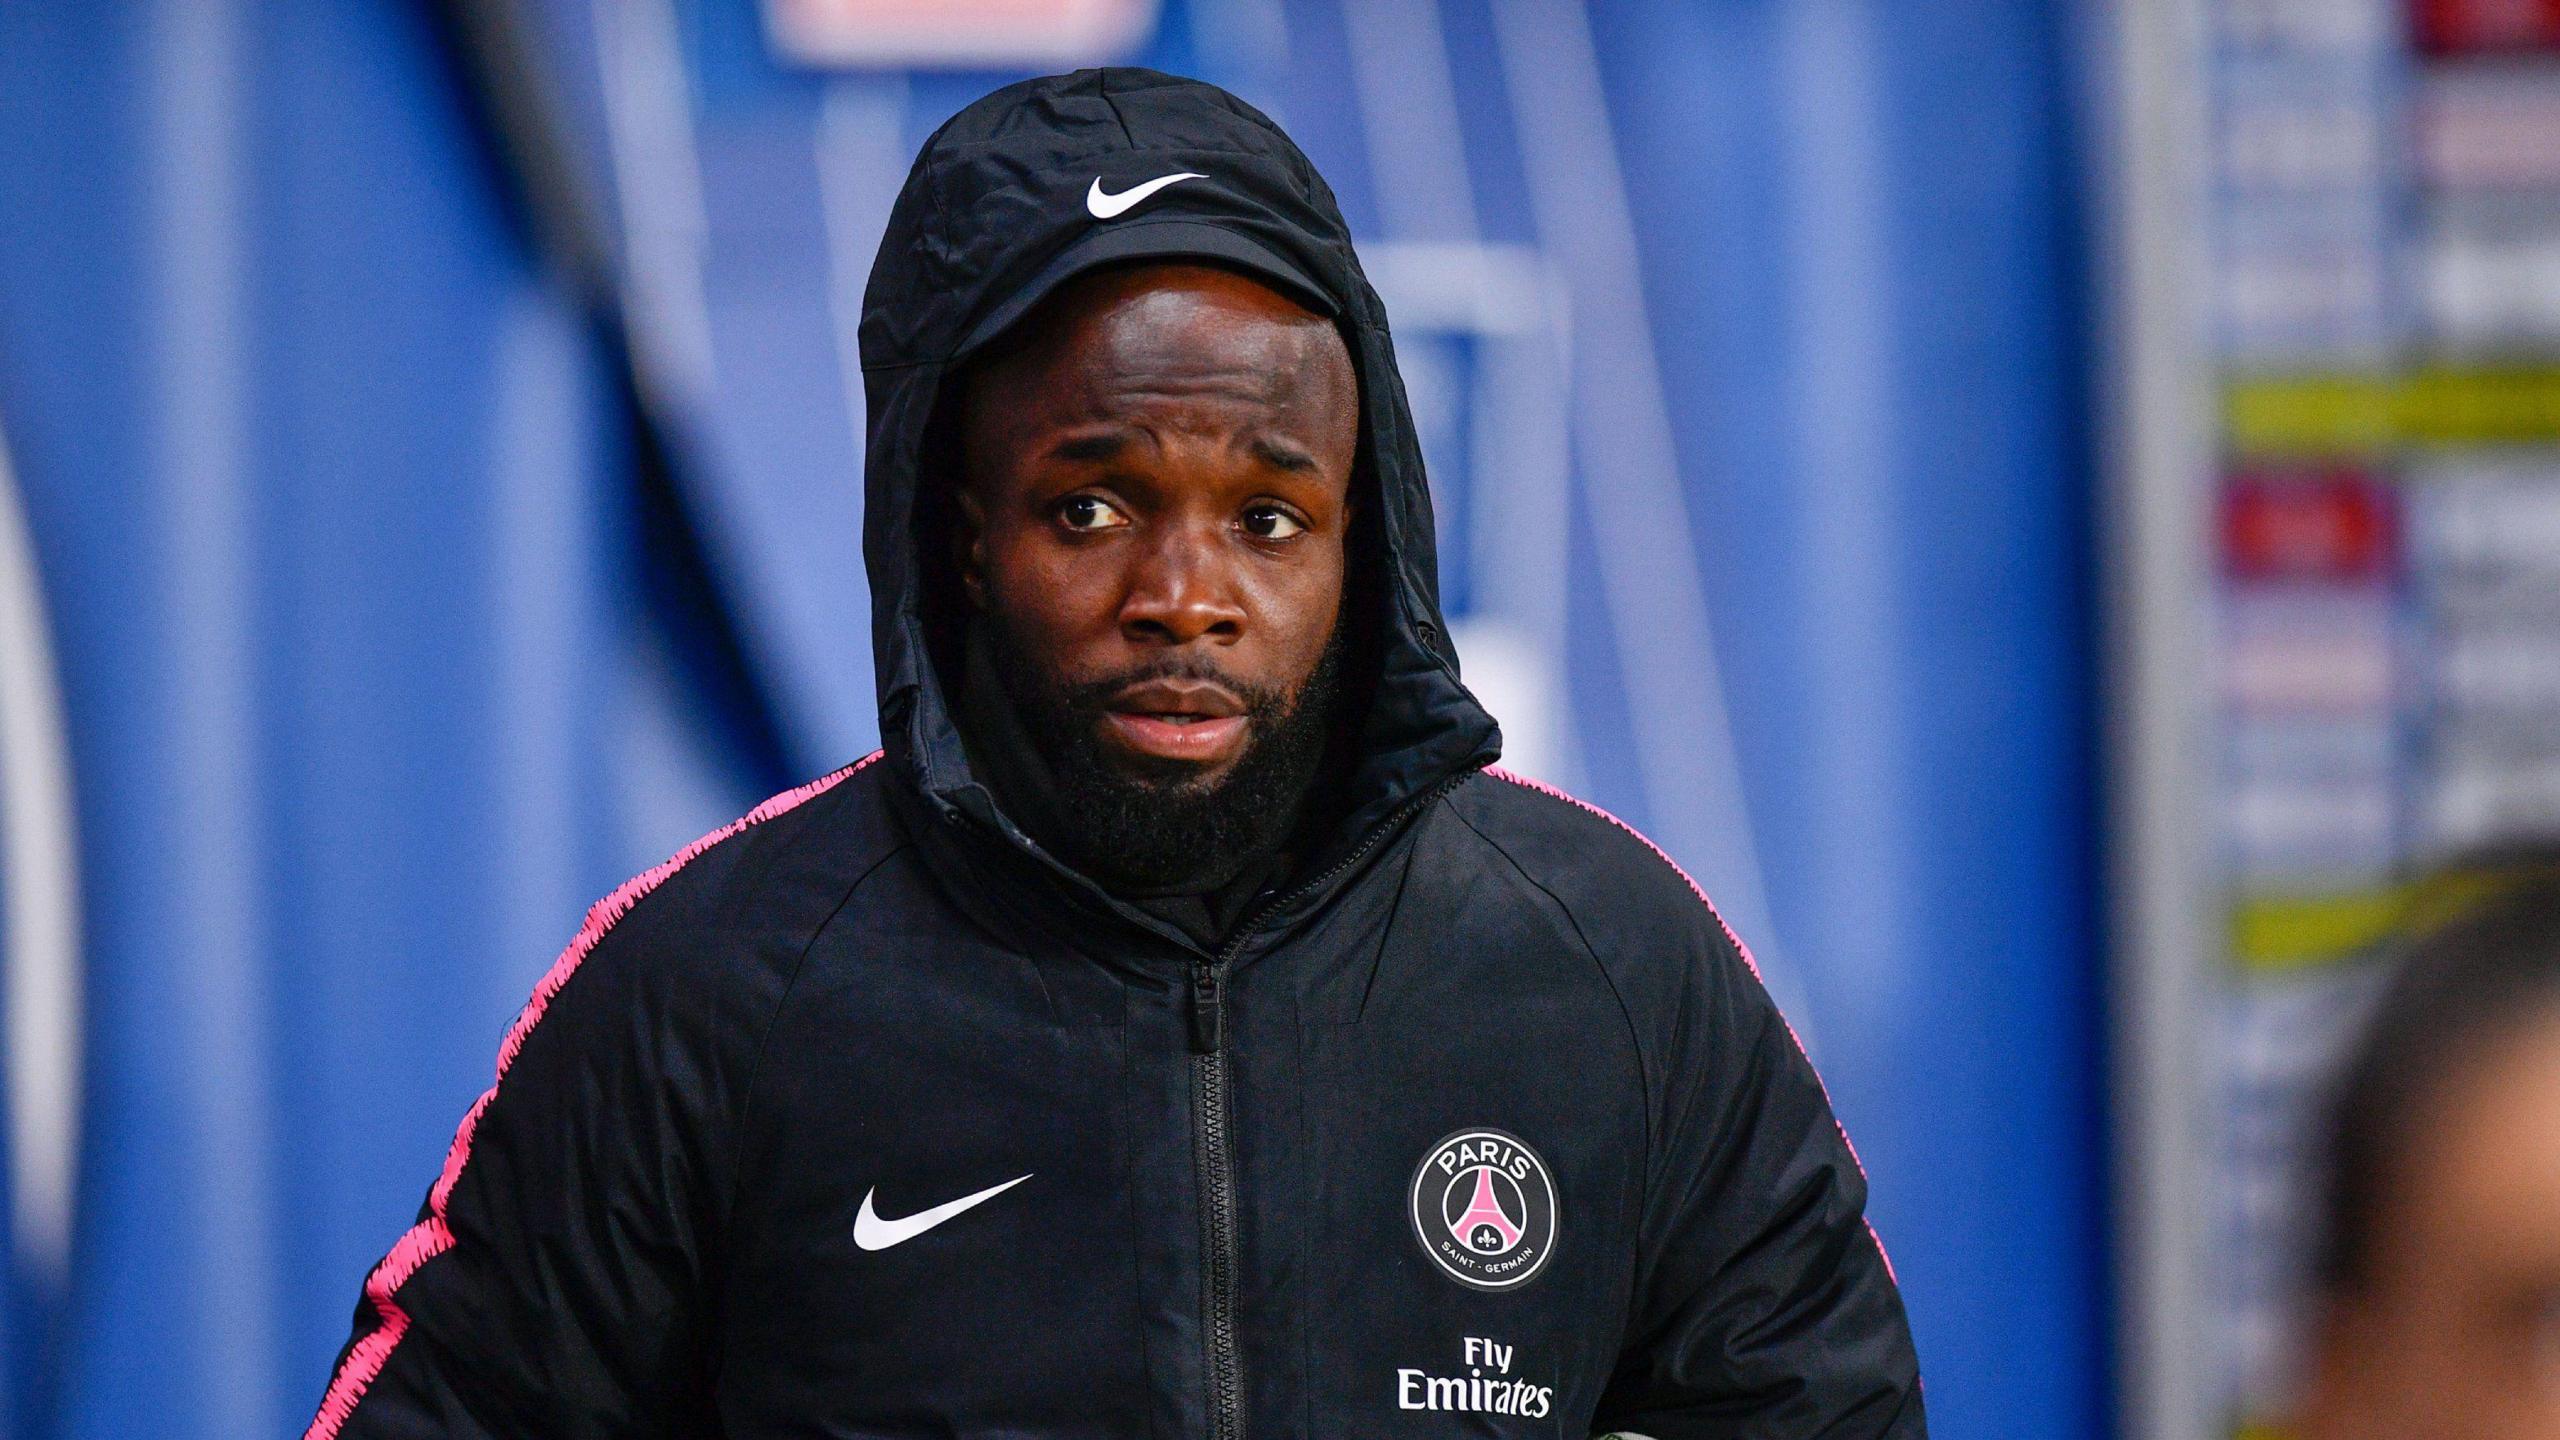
column 1484, row 1208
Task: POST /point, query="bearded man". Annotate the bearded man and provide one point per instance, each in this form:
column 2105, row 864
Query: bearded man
column 1177, row 1028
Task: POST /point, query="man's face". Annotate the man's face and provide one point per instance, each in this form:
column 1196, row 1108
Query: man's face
column 2456, row 1335
column 1156, row 500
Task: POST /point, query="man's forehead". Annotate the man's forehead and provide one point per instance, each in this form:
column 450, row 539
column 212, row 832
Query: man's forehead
column 1189, row 333
column 1112, row 304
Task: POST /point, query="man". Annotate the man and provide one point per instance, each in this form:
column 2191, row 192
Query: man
column 1176, row 1029
column 2437, row 1280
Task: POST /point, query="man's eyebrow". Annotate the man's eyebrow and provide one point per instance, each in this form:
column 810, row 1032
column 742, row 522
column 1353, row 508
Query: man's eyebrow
column 1096, row 449
column 1091, row 449
column 1281, row 454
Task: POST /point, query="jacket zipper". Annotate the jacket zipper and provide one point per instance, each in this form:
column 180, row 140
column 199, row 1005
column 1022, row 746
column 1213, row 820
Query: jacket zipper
column 1211, row 1153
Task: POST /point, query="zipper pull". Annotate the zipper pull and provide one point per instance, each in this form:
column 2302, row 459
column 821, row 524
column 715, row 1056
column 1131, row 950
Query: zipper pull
column 1208, row 1022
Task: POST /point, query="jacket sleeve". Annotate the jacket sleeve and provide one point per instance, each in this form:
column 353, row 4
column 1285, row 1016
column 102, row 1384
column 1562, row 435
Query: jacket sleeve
column 553, row 1284
column 1764, row 1305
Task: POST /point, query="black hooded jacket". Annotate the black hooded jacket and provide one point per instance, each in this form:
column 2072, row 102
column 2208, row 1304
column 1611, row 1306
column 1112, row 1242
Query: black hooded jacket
column 866, row 1116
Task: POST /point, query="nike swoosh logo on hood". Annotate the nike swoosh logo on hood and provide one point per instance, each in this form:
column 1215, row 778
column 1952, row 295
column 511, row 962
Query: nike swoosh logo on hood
column 1107, row 206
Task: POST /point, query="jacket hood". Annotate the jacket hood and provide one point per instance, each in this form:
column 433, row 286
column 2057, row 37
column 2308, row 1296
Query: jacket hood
column 1012, row 196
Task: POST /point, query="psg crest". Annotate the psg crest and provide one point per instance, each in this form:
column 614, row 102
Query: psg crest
column 1484, row 1208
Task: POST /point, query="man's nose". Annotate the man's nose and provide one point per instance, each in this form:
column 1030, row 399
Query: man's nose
column 1181, row 588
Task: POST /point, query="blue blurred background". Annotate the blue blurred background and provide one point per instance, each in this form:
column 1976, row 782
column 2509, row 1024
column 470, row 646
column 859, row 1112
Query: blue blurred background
column 432, row 495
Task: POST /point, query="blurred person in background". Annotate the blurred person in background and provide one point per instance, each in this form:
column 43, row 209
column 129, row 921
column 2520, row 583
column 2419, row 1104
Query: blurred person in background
column 2438, row 1276
column 1175, row 1029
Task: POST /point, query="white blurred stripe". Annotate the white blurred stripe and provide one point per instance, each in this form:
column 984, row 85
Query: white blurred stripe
column 40, row 900
column 657, row 176
column 1519, row 479
column 861, row 162
column 540, row 463
column 216, row 1010
column 1630, row 472
column 1519, row 472
column 1841, row 421
column 2152, row 110
column 1417, row 153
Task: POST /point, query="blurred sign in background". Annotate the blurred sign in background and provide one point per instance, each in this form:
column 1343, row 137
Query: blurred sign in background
column 974, row 34
column 438, row 441
column 2367, row 309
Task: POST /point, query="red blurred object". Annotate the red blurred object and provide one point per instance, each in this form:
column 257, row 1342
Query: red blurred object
column 2454, row 26
column 2328, row 523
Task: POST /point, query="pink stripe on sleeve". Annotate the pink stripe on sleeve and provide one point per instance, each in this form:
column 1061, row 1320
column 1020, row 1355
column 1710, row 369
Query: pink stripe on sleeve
column 431, row 1237
column 1744, row 950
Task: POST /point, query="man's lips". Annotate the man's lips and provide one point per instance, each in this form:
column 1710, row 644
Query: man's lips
column 1196, row 720
column 1197, row 699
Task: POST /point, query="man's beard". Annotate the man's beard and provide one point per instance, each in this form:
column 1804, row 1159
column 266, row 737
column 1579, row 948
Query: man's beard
column 1148, row 824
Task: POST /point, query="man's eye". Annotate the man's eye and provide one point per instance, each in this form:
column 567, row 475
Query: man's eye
column 1269, row 522
column 1089, row 512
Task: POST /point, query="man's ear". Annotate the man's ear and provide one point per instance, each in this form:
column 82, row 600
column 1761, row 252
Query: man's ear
column 969, row 546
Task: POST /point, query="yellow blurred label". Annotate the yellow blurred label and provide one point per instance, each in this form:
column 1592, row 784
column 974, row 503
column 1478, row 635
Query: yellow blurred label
column 2480, row 407
column 2285, row 932
column 2310, row 415
column 2313, row 416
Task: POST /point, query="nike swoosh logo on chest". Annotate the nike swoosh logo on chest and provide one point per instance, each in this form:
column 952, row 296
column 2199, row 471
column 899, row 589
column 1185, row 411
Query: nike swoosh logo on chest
column 871, row 1232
